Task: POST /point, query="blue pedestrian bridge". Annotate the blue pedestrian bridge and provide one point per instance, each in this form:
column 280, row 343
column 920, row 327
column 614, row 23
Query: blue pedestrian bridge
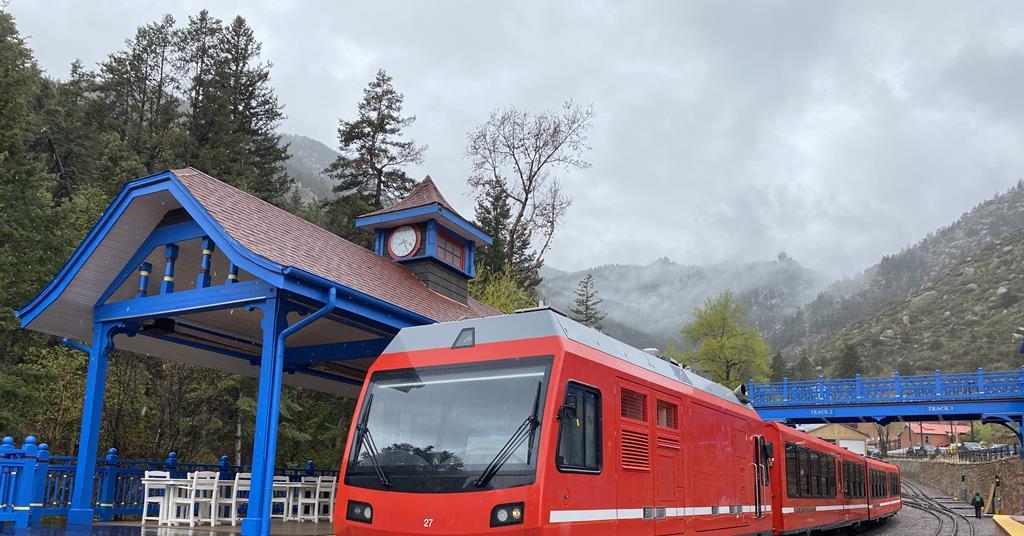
column 992, row 397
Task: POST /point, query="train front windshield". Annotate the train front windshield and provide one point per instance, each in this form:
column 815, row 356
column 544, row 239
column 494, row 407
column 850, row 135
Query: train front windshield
column 450, row 428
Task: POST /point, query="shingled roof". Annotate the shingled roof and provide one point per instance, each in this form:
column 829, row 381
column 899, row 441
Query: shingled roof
column 288, row 240
column 424, row 193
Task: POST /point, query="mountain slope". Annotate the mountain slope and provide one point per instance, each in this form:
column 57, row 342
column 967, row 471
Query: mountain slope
column 307, row 160
column 969, row 315
column 647, row 305
column 845, row 303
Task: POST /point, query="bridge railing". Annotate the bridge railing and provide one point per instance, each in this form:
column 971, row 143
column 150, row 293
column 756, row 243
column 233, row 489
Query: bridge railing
column 895, row 388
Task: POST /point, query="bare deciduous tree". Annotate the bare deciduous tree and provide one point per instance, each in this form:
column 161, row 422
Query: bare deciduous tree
column 518, row 152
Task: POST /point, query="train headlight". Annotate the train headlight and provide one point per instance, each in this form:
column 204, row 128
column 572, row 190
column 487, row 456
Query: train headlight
column 359, row 511
column 507, row 514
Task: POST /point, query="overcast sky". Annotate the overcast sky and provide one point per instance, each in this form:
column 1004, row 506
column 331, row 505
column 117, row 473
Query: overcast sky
column 836, row 131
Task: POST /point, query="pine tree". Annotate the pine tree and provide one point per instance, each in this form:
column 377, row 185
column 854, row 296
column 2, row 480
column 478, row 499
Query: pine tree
column 138, row 88
column 850, row 363
column 234, row 113
column 373, row 153
column 494, row 216
column 779, row 368
column 25, row 243
column 586, row 308
column 803, row 369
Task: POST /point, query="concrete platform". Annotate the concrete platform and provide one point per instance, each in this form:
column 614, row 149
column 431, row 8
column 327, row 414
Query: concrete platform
column 1009, row 526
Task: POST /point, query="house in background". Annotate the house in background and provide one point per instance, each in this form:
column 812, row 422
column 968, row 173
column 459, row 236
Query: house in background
column 843, row 435
column 937, row 434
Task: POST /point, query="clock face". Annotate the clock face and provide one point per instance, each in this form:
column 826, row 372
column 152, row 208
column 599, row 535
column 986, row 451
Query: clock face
column 403, row 242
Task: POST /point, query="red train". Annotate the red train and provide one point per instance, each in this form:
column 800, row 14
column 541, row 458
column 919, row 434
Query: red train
column 534, row 424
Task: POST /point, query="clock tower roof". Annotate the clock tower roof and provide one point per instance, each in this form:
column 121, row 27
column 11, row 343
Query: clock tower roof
column 423, row 203
column 424, row 193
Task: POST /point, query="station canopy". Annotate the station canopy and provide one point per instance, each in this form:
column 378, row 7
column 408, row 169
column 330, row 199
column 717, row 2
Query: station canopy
column 212, row 251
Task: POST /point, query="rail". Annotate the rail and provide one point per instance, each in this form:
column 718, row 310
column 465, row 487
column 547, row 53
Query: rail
column 937, row 387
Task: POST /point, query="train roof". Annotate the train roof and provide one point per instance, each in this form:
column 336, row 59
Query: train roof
column 547, row 323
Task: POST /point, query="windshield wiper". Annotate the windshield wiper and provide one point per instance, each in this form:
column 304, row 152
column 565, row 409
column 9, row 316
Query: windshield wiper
column 366, row 440
column 524, row 432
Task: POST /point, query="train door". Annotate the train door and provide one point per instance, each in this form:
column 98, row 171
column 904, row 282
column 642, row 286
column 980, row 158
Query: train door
column 668, row 466
column 635, row 485
column 762, row 490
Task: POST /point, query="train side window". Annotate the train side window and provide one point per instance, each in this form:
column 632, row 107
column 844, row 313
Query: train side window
column 830, row 476
column 862, row 490
column 668, row 415
column 579, row 432
column 792, row 471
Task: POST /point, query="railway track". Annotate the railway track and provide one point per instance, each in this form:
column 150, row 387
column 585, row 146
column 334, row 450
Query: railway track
column 949, row 522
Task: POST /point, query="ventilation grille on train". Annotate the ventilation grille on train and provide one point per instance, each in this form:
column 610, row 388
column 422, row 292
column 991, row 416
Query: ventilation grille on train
column 635, row 451
column 668, row 442
column 634, row 405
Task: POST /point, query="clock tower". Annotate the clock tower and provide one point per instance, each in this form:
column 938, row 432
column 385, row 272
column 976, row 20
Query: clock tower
column 425, row 234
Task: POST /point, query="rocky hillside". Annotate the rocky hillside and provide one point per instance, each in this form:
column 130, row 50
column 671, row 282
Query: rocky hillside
column 969, row 315
column 647, row 305
column 847, row 303
column 308, row 158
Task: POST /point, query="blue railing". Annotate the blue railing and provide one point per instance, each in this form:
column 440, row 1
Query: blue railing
column 21, row 471
column 35, row 484
column 979, row 385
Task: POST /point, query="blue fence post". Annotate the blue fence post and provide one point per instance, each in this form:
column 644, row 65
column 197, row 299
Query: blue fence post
column 785, row 389
column 981, row 381
column 938, row 384
column 856, row 380
column 25, row 482
column 309, row 467
column 224, row 465
column 171, row 462
column 899, row 385
column 39, row 486
column 108, row 485
column 821, row 387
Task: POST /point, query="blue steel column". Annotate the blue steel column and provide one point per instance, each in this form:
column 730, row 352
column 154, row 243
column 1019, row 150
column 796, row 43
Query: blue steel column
column 81, row 511
column 267, row 410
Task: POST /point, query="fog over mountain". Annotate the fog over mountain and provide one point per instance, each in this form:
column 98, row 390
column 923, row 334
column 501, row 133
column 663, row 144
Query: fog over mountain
column 647, row 305
column 307, row 160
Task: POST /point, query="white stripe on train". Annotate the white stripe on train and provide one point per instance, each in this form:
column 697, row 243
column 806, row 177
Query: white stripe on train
column 576, row 516
column 790, row 509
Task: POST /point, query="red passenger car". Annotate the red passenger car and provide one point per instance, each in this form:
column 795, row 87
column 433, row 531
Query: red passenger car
column 818, row 485
column 884, row 489
column 534, row 424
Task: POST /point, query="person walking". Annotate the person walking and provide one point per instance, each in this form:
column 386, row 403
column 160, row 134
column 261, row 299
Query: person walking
column 978, row 503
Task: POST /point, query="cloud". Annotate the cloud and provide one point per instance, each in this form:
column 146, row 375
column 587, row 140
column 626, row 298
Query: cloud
column 836, row 131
